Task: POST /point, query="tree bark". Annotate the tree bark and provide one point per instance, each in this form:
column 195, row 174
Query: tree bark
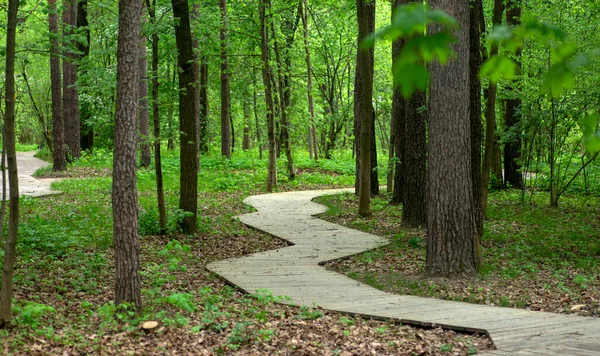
column 366, row 24
column 246, row 140
column 188, row 116
column 225, row 127
column 475, row 61
column 414, row 209
column 86, row 130
column 512, row 147
column 398, row 103
column 256, row 121
column 58, row 130
column 203, row 127
column 451, row 233
column 284, row 103
column 10, row 245
column 363, row 112
column 124, row 191
column 490, row 119
column 160, row 195
column 264, row 8
column 70, row 95
column 146, row 159
column 312, row 142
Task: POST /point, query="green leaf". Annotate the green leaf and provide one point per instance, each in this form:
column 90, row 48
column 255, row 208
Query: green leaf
column 499, row 67
column 591, row 137
column 410, row 77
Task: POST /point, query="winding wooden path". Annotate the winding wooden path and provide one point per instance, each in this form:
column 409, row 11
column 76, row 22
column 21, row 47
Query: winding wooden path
column 295, row 272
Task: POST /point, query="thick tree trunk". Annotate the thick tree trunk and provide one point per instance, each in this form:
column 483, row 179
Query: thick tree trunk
column 366, row 19
column 475, row 116
column 146, row 159
column 451, row 232
column 225, row 126
column 188, row 116
column 70, row 95
column 265, row 6
column 160, row 195
column 490, row 120
column 10, row 244
column 124, row 191
column 363, row 111
column 512, row 148
column 58, row 129
column 86, row 130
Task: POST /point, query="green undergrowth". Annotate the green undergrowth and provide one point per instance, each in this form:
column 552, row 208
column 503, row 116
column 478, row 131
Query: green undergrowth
column 64, row 276
column 535, row 256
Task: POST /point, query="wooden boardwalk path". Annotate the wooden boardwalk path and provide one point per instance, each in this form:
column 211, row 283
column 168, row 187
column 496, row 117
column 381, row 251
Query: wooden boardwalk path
column 295, row 272
column 28, row 185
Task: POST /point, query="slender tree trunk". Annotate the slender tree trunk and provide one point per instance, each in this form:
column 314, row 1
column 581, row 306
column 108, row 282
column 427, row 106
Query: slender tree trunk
column 225, row 128
column 247, row 121
column 59, row 160
column 264, row 8
column 512, row 148
column 398, row 125
column 312, row 143
column 256, row 120
column 363, row 92
column 170, row 109
column 364, row 115
column 144, row 119
column 490, row 120
column 188, row 116
column 284, row 102
column 86, row 130
column 475, row 34
column 160, row 195
column 10, row 245
column 70, row 95
column 451, row 231
column 203, row 127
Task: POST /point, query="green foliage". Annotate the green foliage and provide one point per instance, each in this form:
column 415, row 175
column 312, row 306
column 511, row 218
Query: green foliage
column 31, row 313
column 183, row 301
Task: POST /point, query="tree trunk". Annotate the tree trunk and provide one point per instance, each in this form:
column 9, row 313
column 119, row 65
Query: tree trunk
column 203, row 127
column 366, row 25
column 10, row 245
column 414, row 209
column 451, row 232
column 363, row 112
column 256, row 121
column 398, row 124
column 86, row 130
column 225, row 128
column 143, row 95
column 512, row 147
column 475, row 60
column 124, row 191
column 497, row 162
column 160, row 195
column 70, row 95
column 188, row 116
column 58, row 129
column 490, row 120
column 284, row 102
column 312, row 143
column 264, row 7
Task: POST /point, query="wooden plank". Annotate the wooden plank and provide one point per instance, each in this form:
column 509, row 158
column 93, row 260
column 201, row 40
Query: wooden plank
column 294, row 271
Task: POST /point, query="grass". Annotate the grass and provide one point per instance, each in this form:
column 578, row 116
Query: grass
column 535, row 257
column 65, row 272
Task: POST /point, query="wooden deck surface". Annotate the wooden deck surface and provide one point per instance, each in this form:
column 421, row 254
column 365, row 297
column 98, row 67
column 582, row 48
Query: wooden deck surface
column 295, row 272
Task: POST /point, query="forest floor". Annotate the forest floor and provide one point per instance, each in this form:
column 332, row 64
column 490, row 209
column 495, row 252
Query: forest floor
column 64, row 277
column 535, row 257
